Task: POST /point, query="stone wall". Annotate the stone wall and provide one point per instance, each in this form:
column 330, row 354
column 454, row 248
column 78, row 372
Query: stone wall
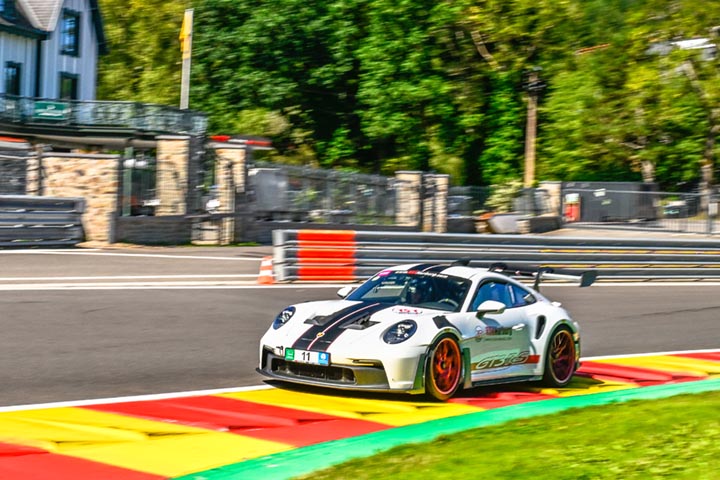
column 435, row 203
column 165, row 230
column 93, row 177
column 421, row 200
column 173, row 153
column 230, row 177
column 407, row 198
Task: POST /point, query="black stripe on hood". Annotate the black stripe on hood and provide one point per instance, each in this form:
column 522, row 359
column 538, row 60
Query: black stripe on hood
column 325, row 330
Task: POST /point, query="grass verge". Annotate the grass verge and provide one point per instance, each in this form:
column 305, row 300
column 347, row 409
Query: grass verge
column 676, row 437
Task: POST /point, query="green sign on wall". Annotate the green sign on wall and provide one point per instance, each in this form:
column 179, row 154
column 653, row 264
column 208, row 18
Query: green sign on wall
column 51, row 111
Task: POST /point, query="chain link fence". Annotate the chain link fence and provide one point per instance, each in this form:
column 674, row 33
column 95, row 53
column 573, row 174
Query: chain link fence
column 641, row 210
column 288, row 192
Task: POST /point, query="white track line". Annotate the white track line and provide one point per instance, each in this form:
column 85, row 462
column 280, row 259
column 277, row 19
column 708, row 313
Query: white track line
column 112, row 254
column 124, row 277
column 248, row 284
column 217, row 285
column 133, row 398
column 196, row 393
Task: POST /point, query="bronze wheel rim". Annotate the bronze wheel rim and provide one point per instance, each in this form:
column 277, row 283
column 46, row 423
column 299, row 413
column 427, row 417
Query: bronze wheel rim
column 446, row 366
column 562, row 356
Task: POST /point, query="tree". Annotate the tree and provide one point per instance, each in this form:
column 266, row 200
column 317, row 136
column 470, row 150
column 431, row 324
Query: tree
column 380, row 85
column 143, row 63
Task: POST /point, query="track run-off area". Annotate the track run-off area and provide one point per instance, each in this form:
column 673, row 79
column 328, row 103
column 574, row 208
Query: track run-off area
column 91, row 339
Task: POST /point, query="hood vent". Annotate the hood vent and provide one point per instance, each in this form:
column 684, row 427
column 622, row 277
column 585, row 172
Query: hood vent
column 361, row 323
column 319, row 320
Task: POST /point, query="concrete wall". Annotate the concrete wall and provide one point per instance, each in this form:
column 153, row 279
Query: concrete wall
column 94, row 177
column 261, row 232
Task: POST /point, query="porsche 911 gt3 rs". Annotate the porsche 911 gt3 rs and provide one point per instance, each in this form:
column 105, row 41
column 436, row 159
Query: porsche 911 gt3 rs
column 430, row 329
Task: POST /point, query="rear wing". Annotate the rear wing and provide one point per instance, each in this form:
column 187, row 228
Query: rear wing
column 585, row 279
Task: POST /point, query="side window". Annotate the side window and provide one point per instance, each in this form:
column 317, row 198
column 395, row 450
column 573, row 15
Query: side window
column 7, row 9
column 12, row 78
column 68, row 86
column 70, row 33
column 521, row 297
column 492, row 290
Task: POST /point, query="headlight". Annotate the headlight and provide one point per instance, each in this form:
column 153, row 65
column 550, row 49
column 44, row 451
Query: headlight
column 400, row 332
column 283, row 317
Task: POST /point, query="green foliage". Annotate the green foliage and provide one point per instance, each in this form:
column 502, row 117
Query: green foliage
column 502, row 196
column 144, row 59
column 380, row 85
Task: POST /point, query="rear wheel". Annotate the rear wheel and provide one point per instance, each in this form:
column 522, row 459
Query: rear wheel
column 559, row 358
column 444, row 369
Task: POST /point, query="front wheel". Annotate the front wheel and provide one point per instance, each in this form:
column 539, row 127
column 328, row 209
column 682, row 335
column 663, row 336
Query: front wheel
column 559, row 358
column 444, row 368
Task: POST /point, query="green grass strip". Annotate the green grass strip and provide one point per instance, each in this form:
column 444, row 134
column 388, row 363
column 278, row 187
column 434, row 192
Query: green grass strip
column 292, row 463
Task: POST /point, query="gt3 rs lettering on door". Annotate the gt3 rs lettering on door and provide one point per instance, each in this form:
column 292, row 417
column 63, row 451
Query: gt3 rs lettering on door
column 501, row 345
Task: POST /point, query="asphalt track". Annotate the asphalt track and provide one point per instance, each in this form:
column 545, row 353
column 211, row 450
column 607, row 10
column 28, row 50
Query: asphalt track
column 95, row 324
column 88, row 325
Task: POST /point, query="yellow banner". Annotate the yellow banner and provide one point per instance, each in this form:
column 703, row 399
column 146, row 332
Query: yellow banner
column 186, row 33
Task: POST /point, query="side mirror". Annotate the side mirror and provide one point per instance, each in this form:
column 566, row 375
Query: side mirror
column 345, row 291
column 490, row 306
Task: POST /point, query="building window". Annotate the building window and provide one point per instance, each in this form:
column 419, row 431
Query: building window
column 7, row 9
column 68, row 86
column 12, row 78
column 70, row 33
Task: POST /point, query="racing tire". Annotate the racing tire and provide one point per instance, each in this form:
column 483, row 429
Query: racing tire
column 559, row 358
column 443, row 374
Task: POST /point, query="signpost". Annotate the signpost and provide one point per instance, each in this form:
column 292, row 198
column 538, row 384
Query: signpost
column 55, row 111
column 186, row 49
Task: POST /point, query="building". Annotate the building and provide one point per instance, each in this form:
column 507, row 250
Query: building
column 50, row 48
column 49, row 51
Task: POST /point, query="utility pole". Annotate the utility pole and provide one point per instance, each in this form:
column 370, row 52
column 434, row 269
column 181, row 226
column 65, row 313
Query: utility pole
column 533, row 86
column 186, row 32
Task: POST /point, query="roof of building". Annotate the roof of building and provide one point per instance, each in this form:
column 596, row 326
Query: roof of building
column 38, row 17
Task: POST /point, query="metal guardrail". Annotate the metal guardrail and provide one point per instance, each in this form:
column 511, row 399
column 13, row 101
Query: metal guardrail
column 89, row 114
column 356, row 255
column 27, row 221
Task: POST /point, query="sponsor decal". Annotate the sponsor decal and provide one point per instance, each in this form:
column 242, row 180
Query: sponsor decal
column 407, row 310
column 493, row 333
column 320, row 335
column 503, row 360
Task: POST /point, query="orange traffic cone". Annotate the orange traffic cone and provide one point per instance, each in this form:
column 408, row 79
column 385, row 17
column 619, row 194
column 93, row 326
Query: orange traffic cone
column 266, row 272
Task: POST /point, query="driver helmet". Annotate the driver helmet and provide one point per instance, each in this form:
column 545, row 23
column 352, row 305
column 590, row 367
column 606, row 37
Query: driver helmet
column 419, row 290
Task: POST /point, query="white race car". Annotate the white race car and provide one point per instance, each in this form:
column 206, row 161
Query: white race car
column 427, row 329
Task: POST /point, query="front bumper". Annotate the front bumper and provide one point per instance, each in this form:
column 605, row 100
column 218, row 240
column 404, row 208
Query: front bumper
column 342, row 375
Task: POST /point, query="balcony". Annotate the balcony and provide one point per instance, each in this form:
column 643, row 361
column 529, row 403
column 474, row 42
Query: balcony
column 88, row 118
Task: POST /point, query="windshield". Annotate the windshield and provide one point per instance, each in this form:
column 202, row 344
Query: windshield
column 425, row 290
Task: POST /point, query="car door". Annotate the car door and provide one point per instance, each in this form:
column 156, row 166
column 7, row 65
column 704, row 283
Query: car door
column 500, row 346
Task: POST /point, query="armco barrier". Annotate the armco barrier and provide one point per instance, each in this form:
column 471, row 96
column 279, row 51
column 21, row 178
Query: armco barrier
column 28, row 221
column 348, row 255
